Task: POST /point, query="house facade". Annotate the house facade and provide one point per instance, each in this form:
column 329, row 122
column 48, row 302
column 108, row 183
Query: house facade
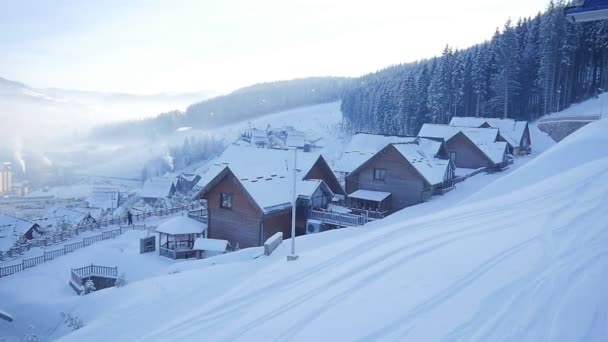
column 470, row 148
column 398, row 176
column 515, row 133
column 249, row 193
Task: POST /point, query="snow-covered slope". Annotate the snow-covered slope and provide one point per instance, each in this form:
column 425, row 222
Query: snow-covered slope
column 529, row 265
column 594, row 106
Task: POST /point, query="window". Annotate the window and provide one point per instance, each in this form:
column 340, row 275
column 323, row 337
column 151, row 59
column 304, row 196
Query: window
column 226, row 200
column 453, row 156
column 379, row 174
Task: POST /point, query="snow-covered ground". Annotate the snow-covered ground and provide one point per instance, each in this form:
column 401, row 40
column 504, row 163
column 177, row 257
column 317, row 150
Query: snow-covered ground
column 318, row 121
column 594, row 106
column 146, row 273
column 529, row 265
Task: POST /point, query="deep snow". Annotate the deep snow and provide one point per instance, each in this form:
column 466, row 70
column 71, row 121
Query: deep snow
column 529, row 265
column 149, row 284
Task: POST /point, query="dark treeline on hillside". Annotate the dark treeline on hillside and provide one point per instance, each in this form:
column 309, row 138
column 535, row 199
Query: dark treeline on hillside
column 242, row 104
column 529, row 68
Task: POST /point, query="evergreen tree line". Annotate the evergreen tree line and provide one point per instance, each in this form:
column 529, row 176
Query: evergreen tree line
column 529, row 68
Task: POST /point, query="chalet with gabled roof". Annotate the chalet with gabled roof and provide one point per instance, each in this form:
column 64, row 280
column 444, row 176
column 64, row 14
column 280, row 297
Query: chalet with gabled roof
column 400, row 175
column 515, row 133
column 249, row 193
column 470, row 147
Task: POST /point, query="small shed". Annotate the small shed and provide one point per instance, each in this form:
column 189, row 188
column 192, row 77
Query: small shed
column 177, row 236
column 209, row 247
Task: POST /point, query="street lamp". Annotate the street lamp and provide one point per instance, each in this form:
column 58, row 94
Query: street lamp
column 293, row 256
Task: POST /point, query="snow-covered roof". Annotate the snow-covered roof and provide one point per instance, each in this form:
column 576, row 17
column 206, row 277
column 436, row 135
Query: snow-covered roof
column 266, row 174
column 258, row 136
column 484, row 138
column 510, row 129
column 434, row 170
column 104, row 198
column 158, row 187
column 11, row 230
column 495, row 151
column 475, row 134
column 295, row 139
column 68, row 214
column 363, row 146
column 367, row 142
column 189, row 176
column 349, row 161
column 6, row 316
column 181, row 225
column 213, row 245
column 370, row 195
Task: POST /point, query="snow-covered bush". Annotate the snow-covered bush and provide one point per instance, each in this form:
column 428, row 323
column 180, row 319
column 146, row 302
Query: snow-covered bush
column 63, row 226
column 121, row 280
column 89, row 286
column 71, row 321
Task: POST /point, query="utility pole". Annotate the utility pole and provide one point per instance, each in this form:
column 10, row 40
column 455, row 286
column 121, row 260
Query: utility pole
column 293, row 256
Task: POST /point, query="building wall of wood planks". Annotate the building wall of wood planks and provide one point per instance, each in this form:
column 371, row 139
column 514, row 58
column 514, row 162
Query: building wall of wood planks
column 468, row 155
column 401, row 179
column 241, row 223
column 322, row 171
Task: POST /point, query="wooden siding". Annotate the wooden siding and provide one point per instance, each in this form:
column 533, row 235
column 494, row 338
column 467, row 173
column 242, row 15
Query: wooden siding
column 321, row 170
column 280, row 222
column 401, row 179
column 468, row 155
column 241, row 223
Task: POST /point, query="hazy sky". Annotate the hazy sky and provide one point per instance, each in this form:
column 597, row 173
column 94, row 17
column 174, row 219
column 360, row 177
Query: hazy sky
column 190, row 45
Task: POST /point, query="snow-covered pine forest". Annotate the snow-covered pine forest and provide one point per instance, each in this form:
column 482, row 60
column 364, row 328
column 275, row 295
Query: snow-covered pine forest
column 529, row 68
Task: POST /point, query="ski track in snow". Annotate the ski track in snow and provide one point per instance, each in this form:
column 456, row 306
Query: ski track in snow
column 401, row 255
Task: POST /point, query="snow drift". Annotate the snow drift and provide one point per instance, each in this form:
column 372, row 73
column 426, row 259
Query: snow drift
column 530, row 265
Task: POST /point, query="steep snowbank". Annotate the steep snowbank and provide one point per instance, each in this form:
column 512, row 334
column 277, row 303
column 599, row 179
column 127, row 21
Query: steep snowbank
column 576, row 149
column 529, row 265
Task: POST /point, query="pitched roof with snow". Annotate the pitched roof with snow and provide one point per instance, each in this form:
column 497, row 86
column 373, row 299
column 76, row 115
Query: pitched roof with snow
column 477, row 135
column 266, row 174
column 510, row 129
column 104, row 198
column 158, row 187
column 12, row 229
column 433, row 170
column 496, row 151
column 363, row 146
column 181, row 225
column 484, row 138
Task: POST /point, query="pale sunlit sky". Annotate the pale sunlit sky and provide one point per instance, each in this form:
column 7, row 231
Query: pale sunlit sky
column 191, row 45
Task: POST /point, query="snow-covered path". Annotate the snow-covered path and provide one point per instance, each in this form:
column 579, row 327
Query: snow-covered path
column 531, row 265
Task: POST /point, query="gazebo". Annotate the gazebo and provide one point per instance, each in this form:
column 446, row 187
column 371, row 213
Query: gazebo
column 177, row 236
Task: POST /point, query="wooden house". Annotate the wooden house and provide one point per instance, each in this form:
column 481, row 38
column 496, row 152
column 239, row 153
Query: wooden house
column 249, row 193
column 470, row 147
column 157, row 188
column 515, row 133
column 15, row 230
column 361, row 147
column 400, row 175
column 185, row 182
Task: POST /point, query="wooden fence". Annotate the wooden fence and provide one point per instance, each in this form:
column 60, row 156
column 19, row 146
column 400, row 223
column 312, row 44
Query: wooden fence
column 71, row 247
column 68, row 248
